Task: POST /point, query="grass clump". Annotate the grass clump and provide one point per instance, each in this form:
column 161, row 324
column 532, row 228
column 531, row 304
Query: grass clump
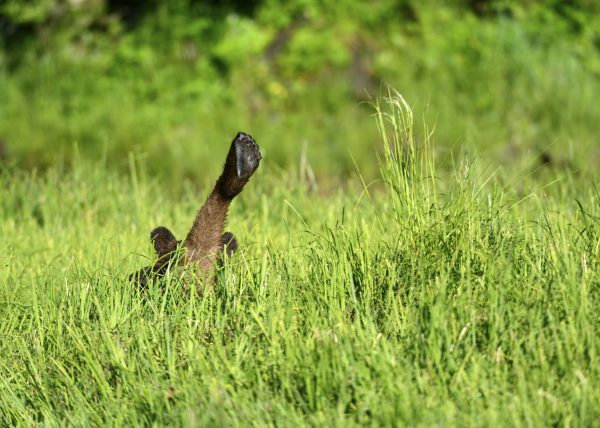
column 444, row 297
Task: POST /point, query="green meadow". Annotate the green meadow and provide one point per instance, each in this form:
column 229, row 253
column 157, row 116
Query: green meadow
column 420, row 245
column 429, row 299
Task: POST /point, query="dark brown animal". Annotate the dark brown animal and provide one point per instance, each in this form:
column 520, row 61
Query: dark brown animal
column 206, row 242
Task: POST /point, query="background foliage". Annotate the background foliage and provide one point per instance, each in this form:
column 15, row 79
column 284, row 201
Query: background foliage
column 170, row 81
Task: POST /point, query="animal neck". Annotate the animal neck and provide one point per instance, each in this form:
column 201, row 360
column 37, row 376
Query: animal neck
column 204, row 238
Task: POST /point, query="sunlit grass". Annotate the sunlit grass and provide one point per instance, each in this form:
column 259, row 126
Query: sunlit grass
column 441, row 299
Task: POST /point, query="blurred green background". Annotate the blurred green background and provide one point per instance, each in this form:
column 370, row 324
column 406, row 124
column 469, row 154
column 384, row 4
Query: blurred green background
column 169, row 83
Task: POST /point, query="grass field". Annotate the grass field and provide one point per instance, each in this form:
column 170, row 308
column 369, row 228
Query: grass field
column 463, row 296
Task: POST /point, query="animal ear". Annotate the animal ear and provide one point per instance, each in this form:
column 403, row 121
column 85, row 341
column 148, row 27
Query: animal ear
column 229, row 242
column 163, row 240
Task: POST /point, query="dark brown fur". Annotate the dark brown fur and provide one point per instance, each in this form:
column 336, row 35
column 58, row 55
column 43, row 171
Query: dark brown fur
column 205, row 241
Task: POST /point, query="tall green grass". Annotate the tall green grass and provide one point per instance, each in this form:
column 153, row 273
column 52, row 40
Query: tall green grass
column 438, row 298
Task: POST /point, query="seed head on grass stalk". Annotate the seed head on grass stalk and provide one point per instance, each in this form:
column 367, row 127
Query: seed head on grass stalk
column 407, row 165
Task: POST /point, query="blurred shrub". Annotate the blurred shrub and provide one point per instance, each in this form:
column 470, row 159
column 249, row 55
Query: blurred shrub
column 169, row 80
